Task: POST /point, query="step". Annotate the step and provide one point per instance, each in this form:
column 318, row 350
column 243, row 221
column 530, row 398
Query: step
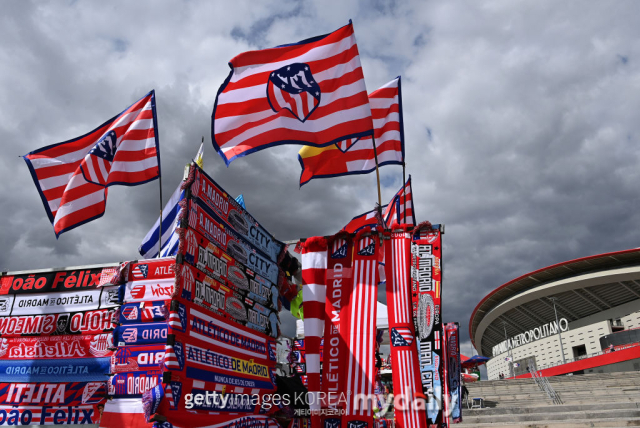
column 609, row 423
column 547, row 409
column 563, row 416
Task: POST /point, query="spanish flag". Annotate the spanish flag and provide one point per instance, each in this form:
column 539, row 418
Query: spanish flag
column 356, row 156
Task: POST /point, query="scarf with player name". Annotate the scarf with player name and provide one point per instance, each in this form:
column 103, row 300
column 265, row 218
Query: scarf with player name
column 56, row 347
column 59, row 301
column 406, row 376
column 361, row 311
column 213, row 296
column 336, row 337
column 50, row 415
column 426, row 283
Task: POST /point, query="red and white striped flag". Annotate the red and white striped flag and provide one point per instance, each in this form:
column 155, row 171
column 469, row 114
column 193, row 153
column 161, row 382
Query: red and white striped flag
column 406, row 376
column 72, row 177
column 309, row 93
column 395, row 212
column 362, row 309
column 350, row 157
column 314, row 287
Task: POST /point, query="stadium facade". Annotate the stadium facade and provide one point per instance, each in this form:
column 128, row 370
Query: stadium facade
column 563, row 319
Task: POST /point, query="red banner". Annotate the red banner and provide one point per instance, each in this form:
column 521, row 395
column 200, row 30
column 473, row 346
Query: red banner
column 56, row 347
column 151, row 269
column 52, row 394
column 339, row 281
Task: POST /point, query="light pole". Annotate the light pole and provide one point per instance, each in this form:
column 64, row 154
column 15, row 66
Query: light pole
column 553, row 300
column 504, row 325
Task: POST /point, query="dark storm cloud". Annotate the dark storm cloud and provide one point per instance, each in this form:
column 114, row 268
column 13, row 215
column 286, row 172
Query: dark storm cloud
column 520, row 119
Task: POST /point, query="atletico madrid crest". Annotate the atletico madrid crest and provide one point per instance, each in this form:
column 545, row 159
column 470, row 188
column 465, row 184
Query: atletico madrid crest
column 293, row 87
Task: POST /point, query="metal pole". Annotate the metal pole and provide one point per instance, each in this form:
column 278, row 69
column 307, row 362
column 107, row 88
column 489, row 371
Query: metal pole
column 504, row 324
column 553, row 300
column 160, row 228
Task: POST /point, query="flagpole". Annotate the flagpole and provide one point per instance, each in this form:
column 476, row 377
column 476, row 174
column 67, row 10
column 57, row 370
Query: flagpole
column 375, row 157
column 160, row 228
column 404, row 192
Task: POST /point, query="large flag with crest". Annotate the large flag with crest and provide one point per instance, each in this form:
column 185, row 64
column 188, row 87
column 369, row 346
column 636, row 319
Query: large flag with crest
column 349, row 157
column 310, row 93
column 72, row 177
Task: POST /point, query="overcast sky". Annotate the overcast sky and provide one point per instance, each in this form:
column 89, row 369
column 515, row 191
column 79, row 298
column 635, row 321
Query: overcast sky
column 521, row 122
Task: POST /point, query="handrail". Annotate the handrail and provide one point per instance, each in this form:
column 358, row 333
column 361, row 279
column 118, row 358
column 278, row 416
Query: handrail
column 543, row 383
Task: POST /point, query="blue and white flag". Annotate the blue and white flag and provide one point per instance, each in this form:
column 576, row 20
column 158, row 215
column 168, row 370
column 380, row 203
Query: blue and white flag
column 170, row 239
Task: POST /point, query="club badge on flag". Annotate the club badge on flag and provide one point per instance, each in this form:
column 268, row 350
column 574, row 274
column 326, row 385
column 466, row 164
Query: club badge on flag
column 357, row 157
column 311, row 93
column 72, row 177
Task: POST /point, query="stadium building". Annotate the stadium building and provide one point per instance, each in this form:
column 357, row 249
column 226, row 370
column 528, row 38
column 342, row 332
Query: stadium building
column 579, row 316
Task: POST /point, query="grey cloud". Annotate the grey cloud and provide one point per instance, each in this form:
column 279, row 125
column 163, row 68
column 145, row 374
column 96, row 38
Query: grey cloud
column 520, row 119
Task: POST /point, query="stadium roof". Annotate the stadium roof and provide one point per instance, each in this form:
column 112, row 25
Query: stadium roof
column 583, row 287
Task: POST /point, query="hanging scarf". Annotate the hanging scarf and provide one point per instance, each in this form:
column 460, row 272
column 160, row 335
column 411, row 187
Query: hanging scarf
column 142, row 312
column 124, row 412
column 426, row 277
column 406, row 373
column 217, row 201
column 362, row 310
column 314, row 271
column 339, row 280
column 209, row 258
column 59, row 301
column 52, row 394
column 51, row 415
column 59, row 280
column 134, row 384
column 147, row 290
column 137, row 357
column 452, row 371
column 212, row 228
column 54, row 347
column 215, row 330
column 140, row 334
column 216, row 298
column 191, row 358
column 69, row 369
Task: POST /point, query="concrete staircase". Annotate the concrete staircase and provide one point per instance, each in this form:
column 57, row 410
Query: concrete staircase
column 591, row 400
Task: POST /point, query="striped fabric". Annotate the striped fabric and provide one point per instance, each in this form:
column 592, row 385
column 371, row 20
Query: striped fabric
column 309, row 93
column 314, row 269
column 170, row 238
column 350, row 157
column 404, row 351
column 395, row 212
column 362, row 307
column 364, row 220
column 72, row 177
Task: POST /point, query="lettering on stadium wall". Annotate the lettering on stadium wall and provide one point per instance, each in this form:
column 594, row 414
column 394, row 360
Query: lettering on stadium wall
column 531, row 336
